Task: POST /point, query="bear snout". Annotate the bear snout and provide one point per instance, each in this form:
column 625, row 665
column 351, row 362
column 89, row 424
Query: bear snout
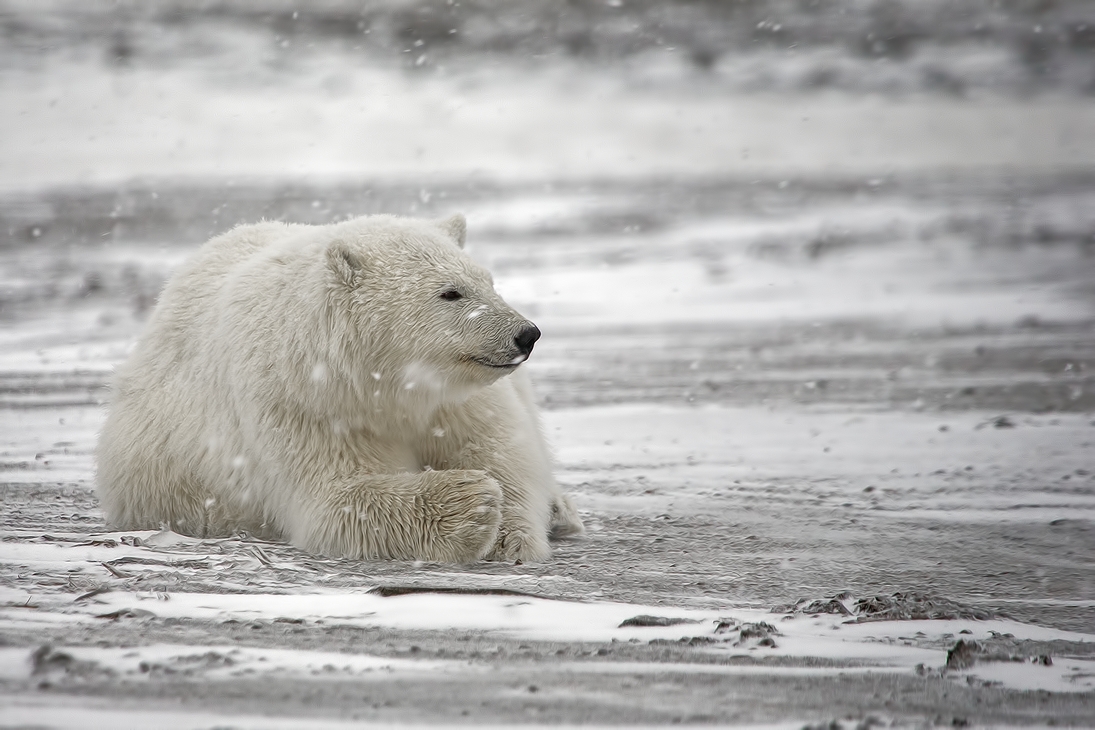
column 526, row 338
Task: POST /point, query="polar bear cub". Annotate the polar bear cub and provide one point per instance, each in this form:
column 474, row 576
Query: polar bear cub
column 354, row 388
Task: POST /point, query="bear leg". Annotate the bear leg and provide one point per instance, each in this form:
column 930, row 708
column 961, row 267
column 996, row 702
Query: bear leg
column 445, row 516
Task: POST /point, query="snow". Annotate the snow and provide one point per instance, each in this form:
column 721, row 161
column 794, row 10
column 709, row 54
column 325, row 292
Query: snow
column 33, row 711
column 712, row 447
column 907, row 280
column 889, row 646
column 229, row 661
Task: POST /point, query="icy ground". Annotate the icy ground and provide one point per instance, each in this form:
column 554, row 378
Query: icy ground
column 795, row 418
column 817, row 289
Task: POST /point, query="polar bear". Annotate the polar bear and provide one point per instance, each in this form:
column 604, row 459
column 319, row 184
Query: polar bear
column 353, row 388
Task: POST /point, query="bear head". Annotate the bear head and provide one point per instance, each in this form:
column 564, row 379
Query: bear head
column 424, row 317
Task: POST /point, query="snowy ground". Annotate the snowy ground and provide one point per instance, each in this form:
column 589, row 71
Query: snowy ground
column 817, row 368
column 757, row 396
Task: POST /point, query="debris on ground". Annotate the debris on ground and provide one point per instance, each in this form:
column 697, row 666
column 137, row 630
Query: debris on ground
column 898, row 606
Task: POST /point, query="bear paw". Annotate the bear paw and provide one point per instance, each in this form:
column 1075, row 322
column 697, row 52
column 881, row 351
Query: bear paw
column 515, row 544
column 462, row 512
column 565, row 521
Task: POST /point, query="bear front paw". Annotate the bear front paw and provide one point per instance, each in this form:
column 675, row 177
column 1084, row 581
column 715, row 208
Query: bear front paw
column 514, row 544
column 565, row 521
column 461, row 510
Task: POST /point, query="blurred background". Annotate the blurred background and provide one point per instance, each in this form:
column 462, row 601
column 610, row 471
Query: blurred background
column 431, row 90
column 774, row 174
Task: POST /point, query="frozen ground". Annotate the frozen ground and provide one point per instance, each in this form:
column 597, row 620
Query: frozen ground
column 817, row 367
column 758, row 394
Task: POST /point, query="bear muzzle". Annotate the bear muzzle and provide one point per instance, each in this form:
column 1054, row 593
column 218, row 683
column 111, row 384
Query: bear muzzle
column 524, row 340
column 523, row 343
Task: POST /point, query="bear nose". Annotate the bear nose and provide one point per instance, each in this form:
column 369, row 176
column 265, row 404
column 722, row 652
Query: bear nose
column 526, row 338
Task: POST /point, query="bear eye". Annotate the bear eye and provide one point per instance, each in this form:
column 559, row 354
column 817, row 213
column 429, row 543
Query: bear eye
column 451, row 295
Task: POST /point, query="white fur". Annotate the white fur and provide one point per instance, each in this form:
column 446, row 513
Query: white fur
column 310, row 383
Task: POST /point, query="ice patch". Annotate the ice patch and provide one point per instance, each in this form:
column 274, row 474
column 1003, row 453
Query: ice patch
column 1063, row 675
column 888, row 646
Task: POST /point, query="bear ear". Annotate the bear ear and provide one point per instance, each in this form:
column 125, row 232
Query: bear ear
column 455, row 228
column 344, row 262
